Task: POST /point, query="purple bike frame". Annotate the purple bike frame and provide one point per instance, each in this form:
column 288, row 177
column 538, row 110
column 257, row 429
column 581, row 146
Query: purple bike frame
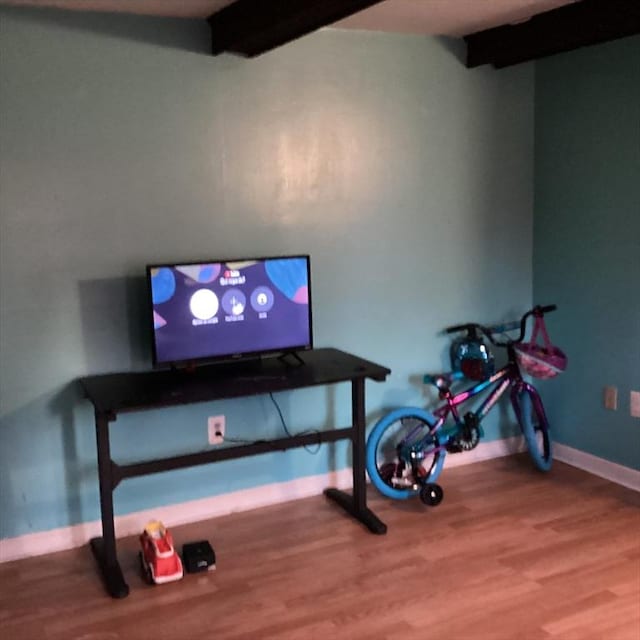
column 508, row 376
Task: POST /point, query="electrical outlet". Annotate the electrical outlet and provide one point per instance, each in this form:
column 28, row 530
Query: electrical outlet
column 611, row 398
column 634, row 402
column 215, row 427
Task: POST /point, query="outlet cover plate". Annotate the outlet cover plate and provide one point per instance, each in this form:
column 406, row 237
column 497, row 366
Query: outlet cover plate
column 215, row 429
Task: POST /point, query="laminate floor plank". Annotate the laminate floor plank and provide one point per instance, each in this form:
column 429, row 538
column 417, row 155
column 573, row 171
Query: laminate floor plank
column 510, row 554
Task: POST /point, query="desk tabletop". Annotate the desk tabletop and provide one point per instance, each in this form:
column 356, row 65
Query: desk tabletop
column 136, row 391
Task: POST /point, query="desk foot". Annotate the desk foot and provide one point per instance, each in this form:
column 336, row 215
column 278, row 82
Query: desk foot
column 112, row 575
column 366, row 516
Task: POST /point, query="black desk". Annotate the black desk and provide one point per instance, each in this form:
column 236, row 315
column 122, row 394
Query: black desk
column 116, row 393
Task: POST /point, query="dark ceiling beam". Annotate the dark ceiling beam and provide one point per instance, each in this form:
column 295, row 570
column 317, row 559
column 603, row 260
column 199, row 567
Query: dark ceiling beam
column 251, row 27
column 569, row 27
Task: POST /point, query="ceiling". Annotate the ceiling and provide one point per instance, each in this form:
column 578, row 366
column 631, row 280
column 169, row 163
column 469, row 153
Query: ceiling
column 431, row 17
column 498, row 32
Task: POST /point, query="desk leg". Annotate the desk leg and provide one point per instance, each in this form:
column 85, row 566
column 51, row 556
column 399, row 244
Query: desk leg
column 104, row 548
column 356, row 504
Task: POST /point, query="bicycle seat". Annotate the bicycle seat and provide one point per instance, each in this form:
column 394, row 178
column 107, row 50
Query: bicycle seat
column 442, row 381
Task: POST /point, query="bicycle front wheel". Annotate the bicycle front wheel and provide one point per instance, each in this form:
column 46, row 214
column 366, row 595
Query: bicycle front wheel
column 534, row 426
column 402, row 454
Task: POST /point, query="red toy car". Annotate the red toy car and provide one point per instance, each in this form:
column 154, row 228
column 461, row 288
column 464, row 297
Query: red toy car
column 160, row 561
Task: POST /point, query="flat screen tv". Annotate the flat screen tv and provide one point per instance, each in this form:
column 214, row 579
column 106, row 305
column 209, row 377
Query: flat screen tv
column 228, row 310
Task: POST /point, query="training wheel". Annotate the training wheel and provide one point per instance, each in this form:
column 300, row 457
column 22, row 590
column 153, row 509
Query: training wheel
column 431, row 494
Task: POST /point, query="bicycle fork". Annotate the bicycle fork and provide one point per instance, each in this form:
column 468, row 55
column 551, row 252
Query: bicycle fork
column 518, row 385
column 518, row 388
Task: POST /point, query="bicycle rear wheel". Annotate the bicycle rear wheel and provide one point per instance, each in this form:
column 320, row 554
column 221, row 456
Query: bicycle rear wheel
column 402, row 455
column 535, row 428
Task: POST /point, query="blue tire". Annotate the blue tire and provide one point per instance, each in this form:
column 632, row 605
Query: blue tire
column 535, row 428
column 408, row 428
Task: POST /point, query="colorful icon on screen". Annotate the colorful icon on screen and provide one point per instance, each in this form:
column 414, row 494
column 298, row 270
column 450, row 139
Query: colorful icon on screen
column 204, row 304
column 262, row 299
column 234, row 302
column 163, row 285
column 200, row 273
column 289, row 275
column 158, row 320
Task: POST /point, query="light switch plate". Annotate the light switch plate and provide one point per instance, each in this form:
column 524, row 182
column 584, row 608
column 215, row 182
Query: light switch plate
column 634, row 402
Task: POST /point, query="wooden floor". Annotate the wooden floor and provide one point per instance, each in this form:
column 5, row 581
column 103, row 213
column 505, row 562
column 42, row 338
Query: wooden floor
column 509, row 554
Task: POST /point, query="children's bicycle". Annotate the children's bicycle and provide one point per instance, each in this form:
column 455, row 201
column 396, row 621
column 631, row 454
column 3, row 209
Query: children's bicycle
column 407, row 447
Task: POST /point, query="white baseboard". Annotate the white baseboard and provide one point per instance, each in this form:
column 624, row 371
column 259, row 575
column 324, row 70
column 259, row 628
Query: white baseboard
column 625, row 476
column 43, row 542
column 39, row 543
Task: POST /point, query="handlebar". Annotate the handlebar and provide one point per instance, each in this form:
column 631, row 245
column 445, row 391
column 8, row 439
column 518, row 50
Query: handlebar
column 473, row 328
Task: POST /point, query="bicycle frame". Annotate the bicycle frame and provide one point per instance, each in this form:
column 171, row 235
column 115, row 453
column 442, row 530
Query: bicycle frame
column 502, row 379
column 508, row 376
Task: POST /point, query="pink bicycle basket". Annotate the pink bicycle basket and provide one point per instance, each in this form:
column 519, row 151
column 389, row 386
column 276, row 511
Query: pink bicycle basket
column 540, row 360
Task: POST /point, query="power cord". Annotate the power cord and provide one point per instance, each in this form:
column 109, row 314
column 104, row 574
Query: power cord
column 315, row 448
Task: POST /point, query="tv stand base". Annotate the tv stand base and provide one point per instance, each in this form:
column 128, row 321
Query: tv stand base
column 297, row 360
column 365, row 516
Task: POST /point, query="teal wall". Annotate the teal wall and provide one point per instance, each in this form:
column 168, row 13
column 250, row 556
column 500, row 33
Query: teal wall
column 587, row 239
column 407, row 177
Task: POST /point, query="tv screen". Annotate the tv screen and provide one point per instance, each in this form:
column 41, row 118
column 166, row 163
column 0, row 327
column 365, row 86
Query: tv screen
column 205, row 311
